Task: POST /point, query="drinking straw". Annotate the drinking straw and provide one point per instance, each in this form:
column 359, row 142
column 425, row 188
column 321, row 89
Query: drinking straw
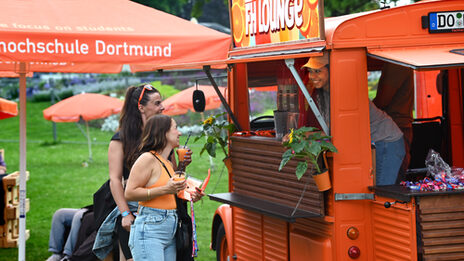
column 182, row 162
column 188, row 137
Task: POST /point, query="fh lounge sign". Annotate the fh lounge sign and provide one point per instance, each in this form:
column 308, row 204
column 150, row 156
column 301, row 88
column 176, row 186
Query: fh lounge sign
column 256, row 22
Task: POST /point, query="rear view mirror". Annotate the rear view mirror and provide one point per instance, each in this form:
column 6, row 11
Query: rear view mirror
column 198, row 100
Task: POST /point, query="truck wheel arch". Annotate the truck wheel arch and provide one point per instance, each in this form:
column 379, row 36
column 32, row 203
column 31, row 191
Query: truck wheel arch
column 222, row 215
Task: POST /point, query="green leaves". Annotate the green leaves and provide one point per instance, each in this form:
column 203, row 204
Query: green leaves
column 301, row 169
column 306, row 143
column 299, row 147
column 216, row 132
column 285, row 158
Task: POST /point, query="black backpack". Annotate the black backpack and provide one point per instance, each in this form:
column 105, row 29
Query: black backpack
column 85, row 238
column 103, row 203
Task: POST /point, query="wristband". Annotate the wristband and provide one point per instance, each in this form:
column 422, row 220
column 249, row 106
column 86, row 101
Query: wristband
column 125, row 213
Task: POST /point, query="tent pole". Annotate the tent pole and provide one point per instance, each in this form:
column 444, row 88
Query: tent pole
column 22, row 162
column 88, row 141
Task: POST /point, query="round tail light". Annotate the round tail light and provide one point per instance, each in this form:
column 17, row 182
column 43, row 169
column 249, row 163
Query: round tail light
column 352, row 233
column 354, row 252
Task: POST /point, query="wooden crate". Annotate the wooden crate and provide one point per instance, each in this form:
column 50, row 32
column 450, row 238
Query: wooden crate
column 12, row 211
column 11, row 187
column 9, row 242
column 9, row 232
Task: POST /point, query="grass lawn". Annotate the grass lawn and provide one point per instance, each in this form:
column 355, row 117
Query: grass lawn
column 58, row 178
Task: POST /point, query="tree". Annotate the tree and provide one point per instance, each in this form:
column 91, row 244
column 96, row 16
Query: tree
column 215, row 11
column 181, row 8
column 336, row 7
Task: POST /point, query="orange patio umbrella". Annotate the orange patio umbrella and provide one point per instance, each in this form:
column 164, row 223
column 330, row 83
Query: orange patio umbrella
column 88, row 106
column 8, row 108
column 181, row 102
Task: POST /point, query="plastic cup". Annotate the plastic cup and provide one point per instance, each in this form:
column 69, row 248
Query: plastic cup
column 181, row 151
column 179, row 176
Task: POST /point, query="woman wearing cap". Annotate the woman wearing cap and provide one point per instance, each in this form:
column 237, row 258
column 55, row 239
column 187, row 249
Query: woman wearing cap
column 318, row 79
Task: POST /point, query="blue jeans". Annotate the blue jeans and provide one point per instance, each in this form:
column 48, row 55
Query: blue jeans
column 63, row 220
column 152, row 236
column 388, row 158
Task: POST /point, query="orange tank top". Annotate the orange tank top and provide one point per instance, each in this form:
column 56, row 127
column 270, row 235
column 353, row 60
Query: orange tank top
column 167, row 201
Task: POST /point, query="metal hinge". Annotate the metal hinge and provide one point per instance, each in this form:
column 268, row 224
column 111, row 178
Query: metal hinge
column 353, row 196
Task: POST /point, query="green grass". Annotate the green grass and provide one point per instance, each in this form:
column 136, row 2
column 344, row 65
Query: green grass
column 58, row 179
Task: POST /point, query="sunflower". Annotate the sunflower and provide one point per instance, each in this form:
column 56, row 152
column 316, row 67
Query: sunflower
column 290, row 136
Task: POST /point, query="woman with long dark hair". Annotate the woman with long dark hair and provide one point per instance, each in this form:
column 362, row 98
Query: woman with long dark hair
column 141, row 102
column 152, row 183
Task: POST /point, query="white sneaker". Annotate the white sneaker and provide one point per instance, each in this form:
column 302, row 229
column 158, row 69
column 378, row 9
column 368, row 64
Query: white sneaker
column 55, row 257
column 66, row 258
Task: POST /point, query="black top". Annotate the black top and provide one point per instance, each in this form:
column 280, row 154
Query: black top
column 125, row 170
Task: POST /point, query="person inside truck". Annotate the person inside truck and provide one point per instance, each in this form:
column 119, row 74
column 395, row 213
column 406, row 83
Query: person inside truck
column 389, row 146
column 395, row 96
column 317, row 69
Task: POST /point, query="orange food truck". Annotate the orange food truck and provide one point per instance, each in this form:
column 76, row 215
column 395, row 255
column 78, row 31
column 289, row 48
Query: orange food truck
column 354, row 219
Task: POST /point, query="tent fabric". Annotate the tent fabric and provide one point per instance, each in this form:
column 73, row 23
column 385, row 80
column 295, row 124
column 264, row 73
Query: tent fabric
column 432, row 57
column 8, row 74
column 181, row 102
column 103, row 32
column 8, row 108
column 89, row 106
column 58, row 67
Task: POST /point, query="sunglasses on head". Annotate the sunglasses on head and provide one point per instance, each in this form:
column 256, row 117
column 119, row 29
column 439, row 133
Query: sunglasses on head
column 145, row 87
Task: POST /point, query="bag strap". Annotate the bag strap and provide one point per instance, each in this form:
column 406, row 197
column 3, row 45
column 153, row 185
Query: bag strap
column 162, row 163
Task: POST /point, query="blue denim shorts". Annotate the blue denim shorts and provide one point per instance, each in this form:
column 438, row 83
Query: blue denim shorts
column 388, row 157
column 152, row 236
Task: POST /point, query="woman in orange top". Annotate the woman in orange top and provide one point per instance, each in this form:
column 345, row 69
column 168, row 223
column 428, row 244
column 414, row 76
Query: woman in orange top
column 150, row 183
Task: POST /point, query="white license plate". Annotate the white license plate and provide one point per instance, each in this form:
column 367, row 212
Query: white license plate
column 445, row 22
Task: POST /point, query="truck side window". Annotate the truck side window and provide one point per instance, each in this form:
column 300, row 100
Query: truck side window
column 316, row 76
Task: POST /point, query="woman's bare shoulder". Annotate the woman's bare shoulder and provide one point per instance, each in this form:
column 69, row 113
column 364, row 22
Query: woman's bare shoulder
column 145, row 159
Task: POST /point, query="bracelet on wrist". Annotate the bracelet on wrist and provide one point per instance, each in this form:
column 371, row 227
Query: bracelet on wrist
column 125, row 213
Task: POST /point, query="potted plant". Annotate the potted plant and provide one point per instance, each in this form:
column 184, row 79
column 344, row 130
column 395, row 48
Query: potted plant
column 309, row 144
column 216, row 132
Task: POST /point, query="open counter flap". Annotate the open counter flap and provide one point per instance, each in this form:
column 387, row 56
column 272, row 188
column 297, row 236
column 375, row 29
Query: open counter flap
column 423, row 57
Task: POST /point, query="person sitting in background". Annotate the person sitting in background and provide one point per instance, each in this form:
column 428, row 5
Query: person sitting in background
column 2, row 163
column 389, row 146
column 64, row 220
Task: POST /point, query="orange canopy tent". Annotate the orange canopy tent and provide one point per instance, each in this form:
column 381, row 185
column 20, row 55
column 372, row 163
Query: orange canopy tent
column 88, row 106
column 8, row 108
column 104, row 33
column 181, row 102
column 98, row 37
